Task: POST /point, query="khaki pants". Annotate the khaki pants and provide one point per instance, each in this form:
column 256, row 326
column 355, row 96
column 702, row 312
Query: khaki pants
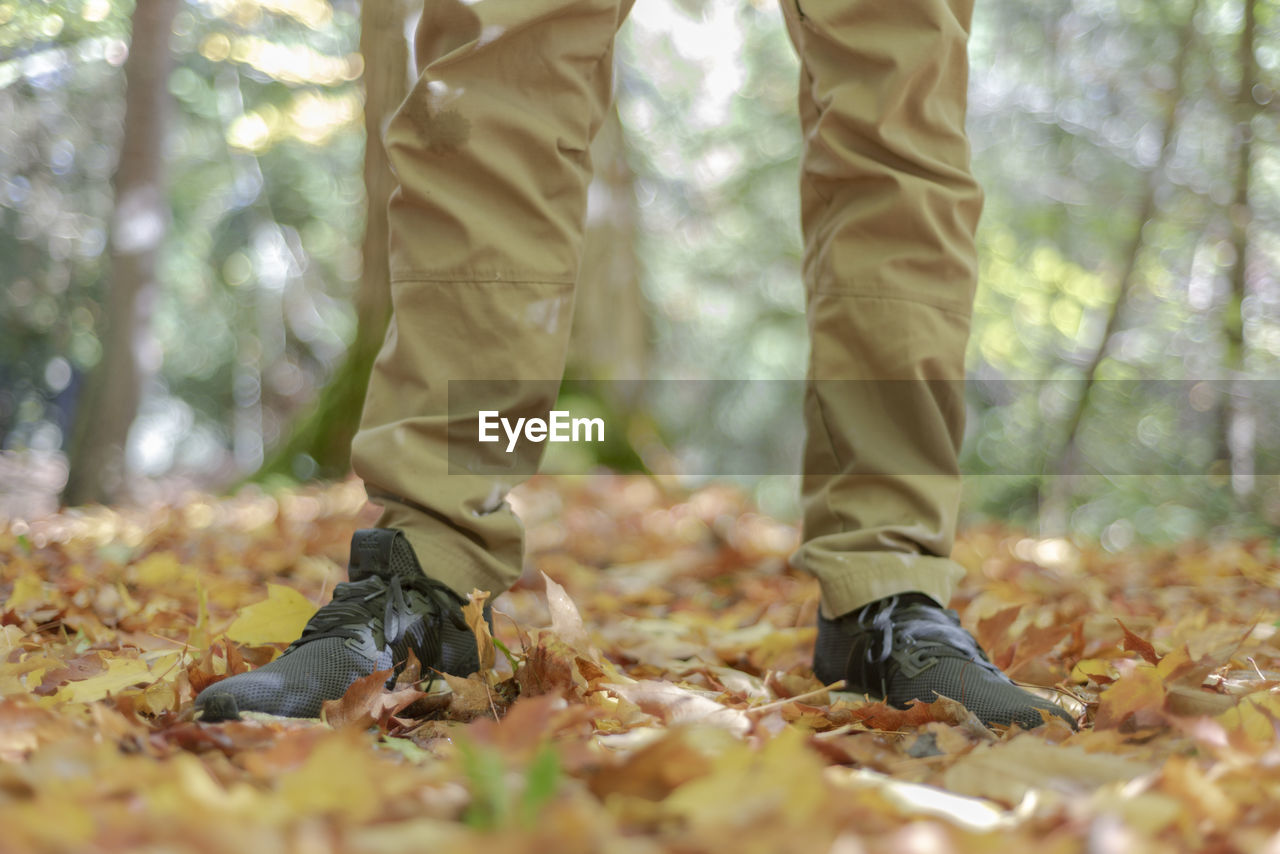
column 491, row 151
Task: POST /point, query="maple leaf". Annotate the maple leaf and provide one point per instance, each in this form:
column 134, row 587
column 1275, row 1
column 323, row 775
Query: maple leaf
column 1133, row 643
column 882, row 716
column 993, row 633
column 1138, row 694
column 367, row 702
column 279, row 618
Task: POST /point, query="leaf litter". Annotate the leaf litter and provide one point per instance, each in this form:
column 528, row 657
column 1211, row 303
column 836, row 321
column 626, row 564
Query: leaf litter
column 647, row 689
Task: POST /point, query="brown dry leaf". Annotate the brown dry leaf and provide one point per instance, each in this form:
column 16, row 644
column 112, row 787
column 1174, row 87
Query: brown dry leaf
column 1138, row 694
column 993, row 633
column 881, row 716
column 566, row 621
column 674, row 705
column 657, row 768
column 1008, row 770
column 473, row 611
column 553, row 665
column 1035, row 642
column 473, row 697
column 1133, row 643
column 368, row 702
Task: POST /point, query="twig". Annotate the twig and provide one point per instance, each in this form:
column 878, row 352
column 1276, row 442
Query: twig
column 768, row 707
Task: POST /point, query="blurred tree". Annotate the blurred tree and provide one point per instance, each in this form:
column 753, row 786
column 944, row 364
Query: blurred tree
column 1238, row 412
column 319, row 444
column 138, row 226
column 1056, row 491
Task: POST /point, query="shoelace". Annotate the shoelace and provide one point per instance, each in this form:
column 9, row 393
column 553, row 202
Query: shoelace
column 908, row 631
column 354, row 609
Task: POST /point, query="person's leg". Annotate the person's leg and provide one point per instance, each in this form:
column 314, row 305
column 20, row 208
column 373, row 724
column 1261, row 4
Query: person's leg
column 889, row 209
column 491, row 153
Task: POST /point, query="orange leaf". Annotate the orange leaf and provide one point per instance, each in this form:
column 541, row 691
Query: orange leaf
column 368, row 702
column 1133, row 643
column 1139, row 694
column 993, row 633
column 885, row 717
column 1036, row 642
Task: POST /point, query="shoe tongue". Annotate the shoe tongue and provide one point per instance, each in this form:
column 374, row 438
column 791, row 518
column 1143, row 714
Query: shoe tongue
column 384, row 552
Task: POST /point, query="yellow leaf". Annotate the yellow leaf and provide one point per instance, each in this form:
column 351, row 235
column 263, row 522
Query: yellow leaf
column 159, row 569
column 1090, row 667
column 336, row 778
column 11, row 637
column 1139, row 693
column 782, row 780
column 28, row 594
column 279, row 618
column 16, row 676
column 1253, row 717
column 121, row 673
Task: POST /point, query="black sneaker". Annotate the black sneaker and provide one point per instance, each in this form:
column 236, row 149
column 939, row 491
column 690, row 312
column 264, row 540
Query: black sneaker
column 906, row 648
column 387, row 608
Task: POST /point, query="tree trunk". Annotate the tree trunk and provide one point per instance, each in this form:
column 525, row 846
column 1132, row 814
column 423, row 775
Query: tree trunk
column 320, row 444
column 139, row 223
column 1237, row 418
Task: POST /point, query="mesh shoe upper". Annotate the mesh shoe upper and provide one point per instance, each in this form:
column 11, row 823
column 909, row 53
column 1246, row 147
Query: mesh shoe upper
column 387, row 608
column 906, row 648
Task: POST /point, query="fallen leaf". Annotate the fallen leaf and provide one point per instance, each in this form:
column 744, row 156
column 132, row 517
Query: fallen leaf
column 915, row 801
column 367, row 702
column 566, row 621
column 1139, row 693
column 473, row 697
column 1133, row 643
column 674, row 705
column 280, row 618
column 473, row 611
column 656, row 769
column 1006, row 771
column 121, row 673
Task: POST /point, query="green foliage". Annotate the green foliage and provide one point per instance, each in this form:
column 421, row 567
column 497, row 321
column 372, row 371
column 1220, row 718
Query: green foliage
column 262, row 251
column 495, row 803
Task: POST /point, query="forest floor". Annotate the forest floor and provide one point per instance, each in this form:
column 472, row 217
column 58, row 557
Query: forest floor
column 657, row 695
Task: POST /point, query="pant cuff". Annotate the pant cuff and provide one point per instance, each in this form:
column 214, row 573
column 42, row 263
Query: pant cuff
column 850, row 580
column 447, row 555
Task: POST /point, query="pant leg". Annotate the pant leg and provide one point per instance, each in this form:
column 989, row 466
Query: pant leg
column 889, row 209
column 491, row 153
